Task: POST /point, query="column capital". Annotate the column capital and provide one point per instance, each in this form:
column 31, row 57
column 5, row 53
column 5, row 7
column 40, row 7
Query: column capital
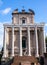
column 5, row 27
column 28, row 28
column 20, row 28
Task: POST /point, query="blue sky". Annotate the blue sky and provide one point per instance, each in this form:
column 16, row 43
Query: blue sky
column 7, row 7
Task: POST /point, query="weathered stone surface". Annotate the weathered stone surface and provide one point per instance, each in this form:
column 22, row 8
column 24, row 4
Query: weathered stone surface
column 24, row 60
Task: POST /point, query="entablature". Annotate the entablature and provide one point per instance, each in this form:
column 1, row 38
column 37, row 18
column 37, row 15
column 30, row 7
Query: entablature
column 24, row 25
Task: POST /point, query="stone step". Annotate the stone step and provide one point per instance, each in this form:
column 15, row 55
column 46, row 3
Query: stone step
column 24, row 60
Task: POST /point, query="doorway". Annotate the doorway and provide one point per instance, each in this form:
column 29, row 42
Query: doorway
column 24, row 50
column 23, row 42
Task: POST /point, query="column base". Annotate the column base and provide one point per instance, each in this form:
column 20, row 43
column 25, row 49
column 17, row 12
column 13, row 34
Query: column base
column 20, row 55
column 3, row 58
column 12, row 55
column 37, row 56
column 29, row 55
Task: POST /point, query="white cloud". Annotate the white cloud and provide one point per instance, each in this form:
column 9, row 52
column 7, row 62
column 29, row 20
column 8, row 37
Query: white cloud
column 6, row 11
column 46, row 24
column 1, row 33
column 46, row 34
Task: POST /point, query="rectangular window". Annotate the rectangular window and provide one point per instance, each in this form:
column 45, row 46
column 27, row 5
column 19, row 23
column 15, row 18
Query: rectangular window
column 23, row 21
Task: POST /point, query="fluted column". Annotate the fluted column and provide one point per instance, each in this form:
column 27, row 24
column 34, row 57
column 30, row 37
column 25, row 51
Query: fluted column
column 44, row 41
column 12, row 41
column 4, row 42
column 29, row 42
column 36, row 37
column 20, row 41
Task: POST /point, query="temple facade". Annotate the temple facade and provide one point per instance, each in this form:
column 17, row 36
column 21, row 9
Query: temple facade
column 23, row 37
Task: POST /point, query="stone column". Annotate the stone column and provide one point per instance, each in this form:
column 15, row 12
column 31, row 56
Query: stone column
column 12, row 41
column 44, row 41
column 20, row 41
column 41, row 39
column 4, row 42
column 36, row 37
column 29, row 42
